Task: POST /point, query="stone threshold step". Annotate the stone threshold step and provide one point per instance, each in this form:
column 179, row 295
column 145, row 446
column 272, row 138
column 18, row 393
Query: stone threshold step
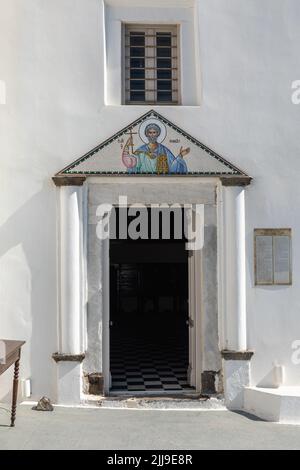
column 158, row 402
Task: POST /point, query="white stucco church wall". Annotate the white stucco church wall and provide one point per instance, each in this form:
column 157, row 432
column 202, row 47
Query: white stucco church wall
column 55, row 68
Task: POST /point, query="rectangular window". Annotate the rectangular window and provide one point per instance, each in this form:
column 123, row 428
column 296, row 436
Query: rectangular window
column 151, row 64
column 272, row 249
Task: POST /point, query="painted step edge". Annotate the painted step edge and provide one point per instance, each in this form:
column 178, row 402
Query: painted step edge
column 271, row 405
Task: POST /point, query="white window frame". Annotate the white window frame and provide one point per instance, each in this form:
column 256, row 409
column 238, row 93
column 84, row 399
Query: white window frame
column 151, row 85
column 176, row 12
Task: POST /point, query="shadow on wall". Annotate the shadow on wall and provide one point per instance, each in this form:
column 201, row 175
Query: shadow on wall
column 274, row 378
column 267, row 381
column 33, row 226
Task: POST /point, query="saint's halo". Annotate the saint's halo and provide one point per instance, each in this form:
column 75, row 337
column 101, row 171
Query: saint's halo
column 163, row 130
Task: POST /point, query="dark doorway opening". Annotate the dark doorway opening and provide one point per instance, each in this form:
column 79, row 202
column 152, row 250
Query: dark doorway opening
column 149, row 345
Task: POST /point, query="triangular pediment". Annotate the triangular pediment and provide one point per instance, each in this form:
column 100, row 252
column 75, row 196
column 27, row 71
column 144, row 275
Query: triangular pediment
column 172, row 151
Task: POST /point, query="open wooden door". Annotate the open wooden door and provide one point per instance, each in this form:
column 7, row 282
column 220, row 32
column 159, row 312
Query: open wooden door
column 195, row 299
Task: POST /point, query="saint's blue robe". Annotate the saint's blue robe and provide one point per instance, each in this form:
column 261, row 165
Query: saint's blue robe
column 146, row 164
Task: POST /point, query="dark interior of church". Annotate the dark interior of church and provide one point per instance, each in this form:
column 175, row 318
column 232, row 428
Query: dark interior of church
column 148, row 315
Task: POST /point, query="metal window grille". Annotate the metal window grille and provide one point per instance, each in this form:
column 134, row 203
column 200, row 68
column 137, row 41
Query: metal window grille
column 151, row 64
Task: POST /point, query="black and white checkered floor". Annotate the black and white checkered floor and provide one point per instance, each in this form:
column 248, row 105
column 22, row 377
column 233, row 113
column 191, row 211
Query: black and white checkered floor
column 142, row 366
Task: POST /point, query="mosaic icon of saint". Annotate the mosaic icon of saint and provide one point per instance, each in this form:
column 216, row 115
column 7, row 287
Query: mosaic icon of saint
column 153, row 156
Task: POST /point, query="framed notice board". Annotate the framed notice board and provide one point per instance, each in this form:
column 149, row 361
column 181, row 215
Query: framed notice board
column 272, row 256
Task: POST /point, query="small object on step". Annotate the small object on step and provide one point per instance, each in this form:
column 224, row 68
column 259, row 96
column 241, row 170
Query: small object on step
column 44, row 404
